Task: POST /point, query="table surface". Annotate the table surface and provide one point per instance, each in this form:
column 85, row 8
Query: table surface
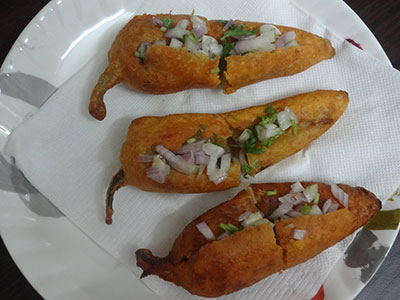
column 382, row 19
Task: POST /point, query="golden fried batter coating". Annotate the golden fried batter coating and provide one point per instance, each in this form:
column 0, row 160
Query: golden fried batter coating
column 169, row 70
column 215, row 268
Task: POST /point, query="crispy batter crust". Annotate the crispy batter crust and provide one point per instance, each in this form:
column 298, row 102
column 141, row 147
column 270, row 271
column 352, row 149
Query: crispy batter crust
column 215, row 268
column 169, row 70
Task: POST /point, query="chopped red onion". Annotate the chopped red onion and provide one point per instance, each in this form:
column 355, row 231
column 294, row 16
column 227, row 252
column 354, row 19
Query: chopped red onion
column 333, row 207
column 326, row 205
column 205, row 231
column 281, row 210
column 296, row 187
column 299, row 198
column 178, row 31
column 284, row 120
column 211, row 149
column 222, row 236
column 299, row 234
column 292, row 115
column 193, row 147
column 175, row 43
column 176, row 161
column 228, row 25
column 199, row 26
column 340, row 195
column 157, row 21
column 145, row 158
column 188, row 156
column 244, row 136
column 244, row 216
column 285, row 40
column 315, row 211
column 158, row 174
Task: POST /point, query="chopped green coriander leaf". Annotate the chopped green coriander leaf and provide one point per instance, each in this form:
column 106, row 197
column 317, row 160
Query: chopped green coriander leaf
column 228, row 228
column 215, row 70
column 191, row 140
column 238, row 31
column 306, row 209
column 247, row 170
column 269, row 110
column 234, row 116
column 294, row 125
column 268, row 142
column 167, row 22
column 163, row 29
column 196, row 171
column 271, row 193
column 200, row 131
column 316, row 198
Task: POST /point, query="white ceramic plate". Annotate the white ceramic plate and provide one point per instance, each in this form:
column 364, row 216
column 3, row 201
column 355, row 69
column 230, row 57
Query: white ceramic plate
column 56, row 257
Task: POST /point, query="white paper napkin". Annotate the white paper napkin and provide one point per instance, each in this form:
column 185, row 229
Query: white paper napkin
column 70, row 157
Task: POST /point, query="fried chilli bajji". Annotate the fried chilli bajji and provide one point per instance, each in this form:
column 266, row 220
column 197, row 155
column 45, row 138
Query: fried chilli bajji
column 161, row 54
column 198, row 153
column 258, row 233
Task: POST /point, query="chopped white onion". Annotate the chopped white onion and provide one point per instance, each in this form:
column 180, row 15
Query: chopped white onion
column 211, row 149
column 340, row 195
column 219, row 179
column 271, row 130
column 291, row 225
column 190, row 45
column 212, row 166
column 244, row 136
column 210, row 46
column 205, row 231
column 284, row 120
column 315, row 211
column 310, row 192
column 261, row 132
column 299, row 198
column 175, row 43
column 244, row 216
column 296, row 187
column 176, row 161
column 225, row 163
column 299, row 234
column 269, row 27
column 260, row 43
column 253, row 218
column 201, row 158
column 201, row 170
column 292, row 115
